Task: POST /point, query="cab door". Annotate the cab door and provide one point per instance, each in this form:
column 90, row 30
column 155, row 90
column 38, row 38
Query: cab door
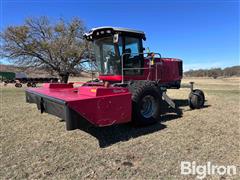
column 133, row 57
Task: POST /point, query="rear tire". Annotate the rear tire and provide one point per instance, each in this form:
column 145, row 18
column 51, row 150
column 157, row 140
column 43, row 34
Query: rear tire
column 196, row 99
column 146, row 100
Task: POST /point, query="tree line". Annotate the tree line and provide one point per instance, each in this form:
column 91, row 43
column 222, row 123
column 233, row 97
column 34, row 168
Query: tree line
column 214, row 72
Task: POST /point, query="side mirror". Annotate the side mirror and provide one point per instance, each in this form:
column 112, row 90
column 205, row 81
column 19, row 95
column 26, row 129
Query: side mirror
column 115, row 38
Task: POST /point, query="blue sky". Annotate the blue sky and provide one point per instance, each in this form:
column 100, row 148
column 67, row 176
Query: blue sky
column 204, row 34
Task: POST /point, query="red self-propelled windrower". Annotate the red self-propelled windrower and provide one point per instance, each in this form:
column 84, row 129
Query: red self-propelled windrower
column 131, row 84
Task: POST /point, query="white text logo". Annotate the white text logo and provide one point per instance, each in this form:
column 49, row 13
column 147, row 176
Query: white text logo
column 201, row 171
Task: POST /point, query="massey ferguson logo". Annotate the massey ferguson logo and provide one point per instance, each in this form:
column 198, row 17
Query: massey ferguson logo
column 119, row 90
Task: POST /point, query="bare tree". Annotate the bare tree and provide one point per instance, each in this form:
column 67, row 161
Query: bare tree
column 58, row 47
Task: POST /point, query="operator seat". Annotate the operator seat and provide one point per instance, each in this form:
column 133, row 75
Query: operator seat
column 128, row 51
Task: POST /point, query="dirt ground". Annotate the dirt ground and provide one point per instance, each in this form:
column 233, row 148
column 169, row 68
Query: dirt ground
column 37, row 146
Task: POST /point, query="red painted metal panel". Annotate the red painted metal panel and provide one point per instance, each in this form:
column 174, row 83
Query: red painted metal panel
column 105, row 111
column 58, row 85
column 167, row 71
column 99, row 105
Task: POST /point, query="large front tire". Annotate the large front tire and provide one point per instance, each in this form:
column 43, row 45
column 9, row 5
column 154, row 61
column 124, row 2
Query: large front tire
column 146, row 100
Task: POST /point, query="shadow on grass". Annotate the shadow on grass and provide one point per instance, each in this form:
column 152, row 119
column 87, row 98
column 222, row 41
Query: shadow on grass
column 205, row 106
column 110, row 135
column 183, row 103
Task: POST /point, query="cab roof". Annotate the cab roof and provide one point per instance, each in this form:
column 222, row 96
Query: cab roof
column 99, row 32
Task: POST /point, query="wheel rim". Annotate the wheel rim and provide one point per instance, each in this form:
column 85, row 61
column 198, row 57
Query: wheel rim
column 148, row 107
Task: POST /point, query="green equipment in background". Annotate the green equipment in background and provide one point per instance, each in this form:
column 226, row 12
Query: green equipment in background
column 7, row 76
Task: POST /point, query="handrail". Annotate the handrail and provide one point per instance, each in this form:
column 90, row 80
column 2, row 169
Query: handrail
column 123, row 69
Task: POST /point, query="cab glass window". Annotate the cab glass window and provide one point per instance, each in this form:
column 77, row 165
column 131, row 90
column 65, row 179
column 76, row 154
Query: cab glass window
column 132, row 58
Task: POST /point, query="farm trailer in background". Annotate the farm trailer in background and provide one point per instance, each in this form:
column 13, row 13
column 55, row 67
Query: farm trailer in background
column 21, row 78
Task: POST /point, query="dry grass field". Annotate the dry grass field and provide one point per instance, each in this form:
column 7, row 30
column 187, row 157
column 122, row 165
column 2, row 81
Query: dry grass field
column 35, row 146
